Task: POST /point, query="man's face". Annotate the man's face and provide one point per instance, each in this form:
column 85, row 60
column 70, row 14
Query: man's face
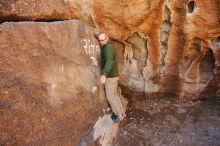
column 103, row 39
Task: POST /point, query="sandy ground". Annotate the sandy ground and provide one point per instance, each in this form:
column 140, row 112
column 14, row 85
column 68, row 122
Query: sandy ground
column 170, row 122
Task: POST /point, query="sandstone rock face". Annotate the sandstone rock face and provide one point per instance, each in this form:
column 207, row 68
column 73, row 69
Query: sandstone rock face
column 50, row 94
column 19, row 10
column 49, row 71
column 169, row 47
column 46, row 10
column 165, row 47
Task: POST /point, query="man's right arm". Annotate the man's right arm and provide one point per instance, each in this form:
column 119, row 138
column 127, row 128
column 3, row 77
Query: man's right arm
column 109, row 60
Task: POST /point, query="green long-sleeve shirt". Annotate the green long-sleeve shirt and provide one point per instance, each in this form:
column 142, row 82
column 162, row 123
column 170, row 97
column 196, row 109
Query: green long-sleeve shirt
column 109, row 61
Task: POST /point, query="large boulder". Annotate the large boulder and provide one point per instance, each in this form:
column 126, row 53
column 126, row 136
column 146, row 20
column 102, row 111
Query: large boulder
column 49, row 89
column 46, row 10
column 165, row 48
column 20, row 10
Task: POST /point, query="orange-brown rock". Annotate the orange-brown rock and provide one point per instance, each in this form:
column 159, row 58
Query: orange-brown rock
column 20, row 10
column 48, row 71
column 46, row 10
column 49, row 90
column 170, row 47
column 165, row 48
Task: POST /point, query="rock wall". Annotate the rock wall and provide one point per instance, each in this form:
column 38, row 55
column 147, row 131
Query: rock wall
column 170, row 47
column 165, row 47
column 49, row 89
column 49, row 67
column 46, row 10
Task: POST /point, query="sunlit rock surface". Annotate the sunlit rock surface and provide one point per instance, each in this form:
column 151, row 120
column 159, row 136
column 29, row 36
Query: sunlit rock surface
column 169, row 48
column 49, row 89
column 46, row 10
column 164, row 47
column 49, row 72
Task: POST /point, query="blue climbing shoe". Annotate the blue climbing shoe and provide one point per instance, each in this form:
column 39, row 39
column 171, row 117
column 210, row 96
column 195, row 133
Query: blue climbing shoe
column 115, row 118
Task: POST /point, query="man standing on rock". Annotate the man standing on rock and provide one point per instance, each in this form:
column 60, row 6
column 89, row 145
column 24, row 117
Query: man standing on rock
column 110, row 76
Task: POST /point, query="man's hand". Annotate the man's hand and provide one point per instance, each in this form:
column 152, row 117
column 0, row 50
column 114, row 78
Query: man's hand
column 102, row 79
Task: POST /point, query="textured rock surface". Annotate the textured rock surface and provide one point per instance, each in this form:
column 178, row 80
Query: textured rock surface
column 12, row 10
column 46, row 10
column 48, row 71
column 170, row 48
column 173, row 122
column 49, row 87
column 166, row 48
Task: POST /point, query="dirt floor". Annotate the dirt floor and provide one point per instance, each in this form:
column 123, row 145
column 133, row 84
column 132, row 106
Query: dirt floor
column 170, row 122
